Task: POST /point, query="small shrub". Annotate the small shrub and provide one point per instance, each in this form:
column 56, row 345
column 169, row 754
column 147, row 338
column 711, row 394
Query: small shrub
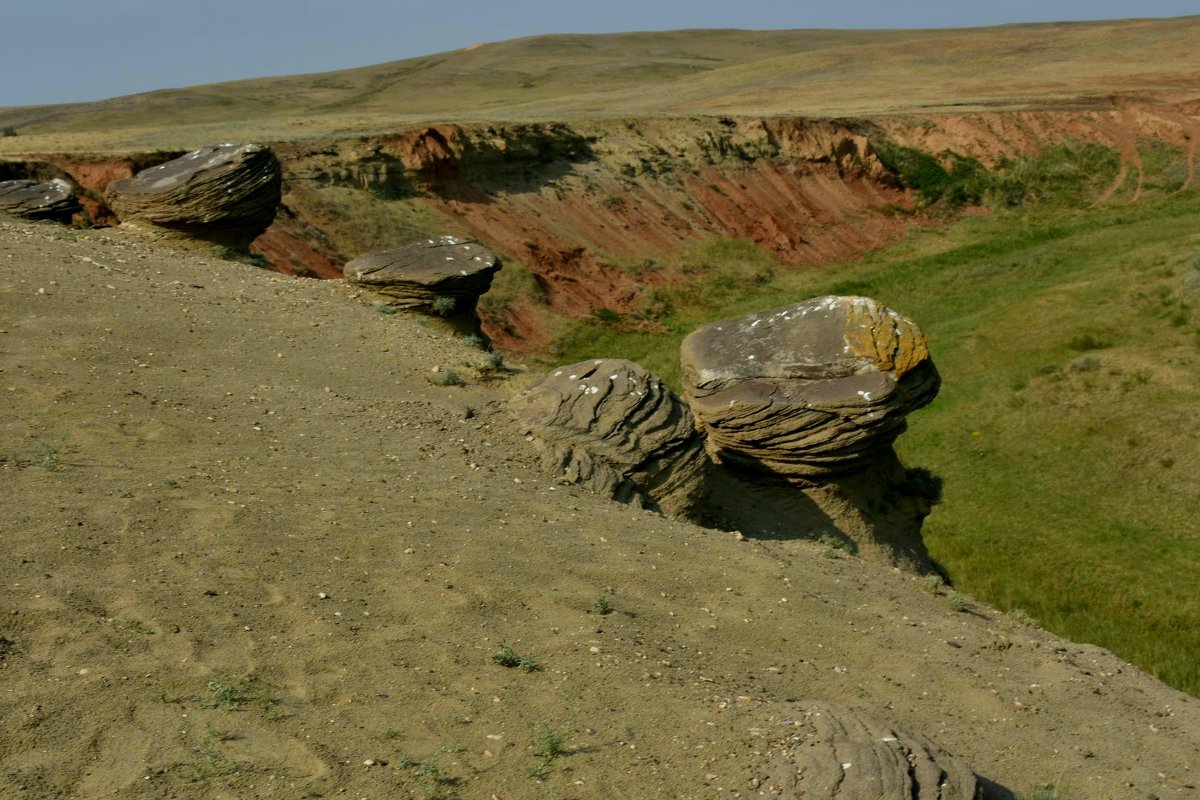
column 601, row 606
column 48, row 454
column 8, row 131
column 1020, row 615
column 957, row 601
column 471, row 340
column 384, row 308
column 836, row 545
column 549, row 744
column 493, row 361
column 932, row 584
column 507, row 657
column 447, row 378
column 443, row 306
column 921, row 482
column 224, row 695
column 1088, row 363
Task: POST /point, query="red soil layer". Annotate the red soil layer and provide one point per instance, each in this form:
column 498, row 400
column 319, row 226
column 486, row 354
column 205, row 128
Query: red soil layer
column 992, row 136
column 570, row 241
column 810, row 191
column 294, row 247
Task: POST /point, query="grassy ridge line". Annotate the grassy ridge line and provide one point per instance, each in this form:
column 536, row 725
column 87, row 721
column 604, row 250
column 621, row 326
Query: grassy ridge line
column 809, row 72
column 1065, row 431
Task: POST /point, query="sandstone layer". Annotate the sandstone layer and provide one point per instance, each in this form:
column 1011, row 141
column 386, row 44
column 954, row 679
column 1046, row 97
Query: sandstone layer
column 611, row 425
column 225, row 194
column 833, row 751
column 445, row 275
column 54, row 199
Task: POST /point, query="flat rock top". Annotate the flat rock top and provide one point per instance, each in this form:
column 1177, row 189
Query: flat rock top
column 424, row 262
column 826, row 338
column 26, row 197
column 176, row 172
column 808, row 390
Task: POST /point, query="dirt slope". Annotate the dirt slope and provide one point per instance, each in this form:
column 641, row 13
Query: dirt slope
column 249, row 546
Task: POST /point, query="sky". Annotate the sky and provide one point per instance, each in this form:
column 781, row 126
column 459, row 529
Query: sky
column 58, row 51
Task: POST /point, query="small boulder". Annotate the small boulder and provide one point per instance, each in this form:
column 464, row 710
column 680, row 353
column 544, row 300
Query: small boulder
column 833, row 752
column 445, row 275
column 55, row 199
column 224, row 194
column 612, row 426
column 809, row 391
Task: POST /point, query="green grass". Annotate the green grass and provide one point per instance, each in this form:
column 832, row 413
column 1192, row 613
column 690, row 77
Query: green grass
column 361, row 221
column 507, row 657
column 1065, row 432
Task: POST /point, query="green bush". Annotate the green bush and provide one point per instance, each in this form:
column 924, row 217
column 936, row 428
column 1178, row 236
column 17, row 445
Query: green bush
column 952, row 180
column 507, row 657
column 922, row 483
column 1069, row 173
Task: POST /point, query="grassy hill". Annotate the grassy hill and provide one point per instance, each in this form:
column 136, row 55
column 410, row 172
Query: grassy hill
column 804, row 72
column 1068, row 339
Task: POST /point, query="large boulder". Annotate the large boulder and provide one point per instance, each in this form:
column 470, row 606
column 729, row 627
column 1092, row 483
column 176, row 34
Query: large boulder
column 833, row 752
column 611, row 425
column 223, row 194
column 445, row 275
column 810, row 391
column 55, row 199
column 800, row 406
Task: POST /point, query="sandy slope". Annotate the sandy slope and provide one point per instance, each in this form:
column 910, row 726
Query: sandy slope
column 248, row 545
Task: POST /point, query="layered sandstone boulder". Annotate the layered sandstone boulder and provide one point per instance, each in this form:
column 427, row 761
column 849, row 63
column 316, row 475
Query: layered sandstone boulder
column 445, row 275
column 224, row 194
column 833, row 752
column 54, row 200
column 800, row 406
column 807, row 392
column 612, row 426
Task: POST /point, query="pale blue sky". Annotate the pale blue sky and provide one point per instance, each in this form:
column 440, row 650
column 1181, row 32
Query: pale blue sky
column 55, row 51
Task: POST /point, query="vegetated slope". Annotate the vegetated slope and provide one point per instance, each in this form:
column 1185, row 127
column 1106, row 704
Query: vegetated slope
column 253, row 550
column 802, row 72
column 1068, row 341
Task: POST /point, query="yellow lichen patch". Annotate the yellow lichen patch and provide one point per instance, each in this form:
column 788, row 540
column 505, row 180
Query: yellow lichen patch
column 892, row 343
